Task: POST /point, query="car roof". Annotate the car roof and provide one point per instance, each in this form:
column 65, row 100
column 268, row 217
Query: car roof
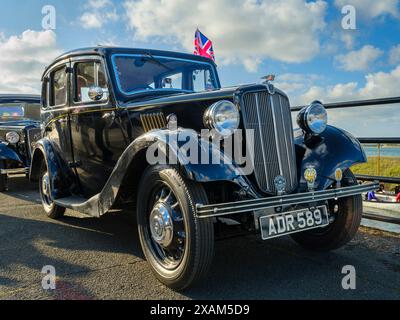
column 108, row 50
column 16, row 98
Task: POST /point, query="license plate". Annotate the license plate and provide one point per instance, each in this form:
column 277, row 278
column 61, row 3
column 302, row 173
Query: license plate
column 274, row 226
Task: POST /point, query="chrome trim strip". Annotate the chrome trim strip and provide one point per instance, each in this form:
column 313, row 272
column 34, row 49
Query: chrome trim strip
column 248, row 206
column 286, row 142
column 261, row 136
column 278, row 149
column 14, row 171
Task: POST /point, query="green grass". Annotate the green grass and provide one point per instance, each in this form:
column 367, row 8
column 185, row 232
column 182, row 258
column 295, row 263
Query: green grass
column 389, row 167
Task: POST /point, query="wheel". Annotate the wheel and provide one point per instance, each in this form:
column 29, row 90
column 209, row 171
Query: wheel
column 176, row 243
column 3, row 179
column 347, row 213
column 52, row 210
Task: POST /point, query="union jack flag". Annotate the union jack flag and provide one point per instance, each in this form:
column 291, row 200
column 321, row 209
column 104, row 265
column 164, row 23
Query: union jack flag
column 203, row 46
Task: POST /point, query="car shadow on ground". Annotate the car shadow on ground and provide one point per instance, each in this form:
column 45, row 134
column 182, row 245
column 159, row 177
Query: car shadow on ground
column 243, row 268
column 20, row 188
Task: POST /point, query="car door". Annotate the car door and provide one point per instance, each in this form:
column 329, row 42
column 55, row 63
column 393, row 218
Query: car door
column 56, row 86
column 98, row 138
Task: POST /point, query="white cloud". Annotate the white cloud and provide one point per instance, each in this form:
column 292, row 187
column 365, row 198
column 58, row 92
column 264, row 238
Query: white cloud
column 377, row 85
column 369, row 121
column 295, row 84
column 99, row 13
column 348, row 38
column 23, row 59
column 394, row 55
column 359, row 60
column 372, row 8
column 91, row 20
column 99, row 4
column 242, row 31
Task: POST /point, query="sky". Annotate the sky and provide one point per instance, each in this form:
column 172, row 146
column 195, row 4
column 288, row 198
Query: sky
column 302, row 42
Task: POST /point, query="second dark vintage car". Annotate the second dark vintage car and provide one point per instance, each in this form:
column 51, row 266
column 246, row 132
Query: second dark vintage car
column 108, row 112
column 19, row 131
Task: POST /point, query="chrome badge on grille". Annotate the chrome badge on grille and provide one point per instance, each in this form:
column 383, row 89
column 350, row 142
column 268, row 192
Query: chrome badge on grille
column 280, row 185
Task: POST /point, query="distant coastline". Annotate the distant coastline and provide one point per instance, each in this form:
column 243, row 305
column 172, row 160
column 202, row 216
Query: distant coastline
column 385, row 152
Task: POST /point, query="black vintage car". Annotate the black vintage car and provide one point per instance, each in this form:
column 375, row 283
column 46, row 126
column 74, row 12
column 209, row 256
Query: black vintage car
column 109, row 112
column 19, row 131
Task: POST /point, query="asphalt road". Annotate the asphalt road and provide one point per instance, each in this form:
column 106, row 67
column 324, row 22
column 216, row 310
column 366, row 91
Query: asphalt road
column 102, row 259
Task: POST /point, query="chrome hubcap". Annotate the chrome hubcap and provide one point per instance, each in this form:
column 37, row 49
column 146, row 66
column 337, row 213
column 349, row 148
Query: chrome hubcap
column 161, row 224
column 46, row 185
column 165, row 231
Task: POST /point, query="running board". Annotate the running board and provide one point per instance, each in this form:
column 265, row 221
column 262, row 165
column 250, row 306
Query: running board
column 90, row 207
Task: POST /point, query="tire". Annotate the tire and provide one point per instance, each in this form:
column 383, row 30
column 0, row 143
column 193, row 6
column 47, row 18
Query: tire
column 3, row 179
column 52, row 210
column 188, row 257
column 348, row 214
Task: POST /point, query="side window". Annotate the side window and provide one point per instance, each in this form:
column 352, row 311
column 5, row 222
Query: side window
column 58, row 92
column 88, row 75
column 202, row 80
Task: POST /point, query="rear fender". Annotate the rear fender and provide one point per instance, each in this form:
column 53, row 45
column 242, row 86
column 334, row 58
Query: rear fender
column 62, row 178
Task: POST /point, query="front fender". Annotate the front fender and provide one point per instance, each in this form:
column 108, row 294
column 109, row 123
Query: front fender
column 163, row 140
column 8, row 154
column 171, row 143
column 62, row 179
column 334, row 148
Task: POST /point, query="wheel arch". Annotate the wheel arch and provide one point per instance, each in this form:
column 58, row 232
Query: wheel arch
column 62, row 179
column 126, row 176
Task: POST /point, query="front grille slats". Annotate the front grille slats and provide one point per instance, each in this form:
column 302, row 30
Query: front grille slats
column 33, row 136
column 270, row 118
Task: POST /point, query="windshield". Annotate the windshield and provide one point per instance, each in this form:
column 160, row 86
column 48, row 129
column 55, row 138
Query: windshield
column 7, row 111
column 147, row 73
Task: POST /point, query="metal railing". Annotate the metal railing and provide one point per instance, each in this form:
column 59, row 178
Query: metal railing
column 373, row 140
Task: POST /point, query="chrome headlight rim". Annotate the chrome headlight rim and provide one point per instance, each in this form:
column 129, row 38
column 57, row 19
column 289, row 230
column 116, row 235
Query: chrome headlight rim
column 313, row 123
column 13, row 137
column 223, row 128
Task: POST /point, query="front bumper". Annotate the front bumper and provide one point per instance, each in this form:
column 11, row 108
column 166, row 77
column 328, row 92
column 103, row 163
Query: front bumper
column 249, row 206
column 10, row 172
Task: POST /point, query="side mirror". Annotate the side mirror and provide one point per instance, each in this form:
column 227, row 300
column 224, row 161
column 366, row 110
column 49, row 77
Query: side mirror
column 96, row 93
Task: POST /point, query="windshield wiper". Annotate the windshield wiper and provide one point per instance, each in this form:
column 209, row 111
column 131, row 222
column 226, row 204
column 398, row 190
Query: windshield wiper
column 149, row 57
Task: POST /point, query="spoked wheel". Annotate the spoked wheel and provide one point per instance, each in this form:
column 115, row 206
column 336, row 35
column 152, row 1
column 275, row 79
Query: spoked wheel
column 167, row 234
column 52, row 210
column 347, row 214
column 177, row 245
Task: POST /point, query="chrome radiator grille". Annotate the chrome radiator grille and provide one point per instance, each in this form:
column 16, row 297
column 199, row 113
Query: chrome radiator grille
column 33, row 136
column 274, row 155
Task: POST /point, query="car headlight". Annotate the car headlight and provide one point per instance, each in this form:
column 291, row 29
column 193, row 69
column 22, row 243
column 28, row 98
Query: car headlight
column 12, row 137
column 223, row 116
column 313, row 119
